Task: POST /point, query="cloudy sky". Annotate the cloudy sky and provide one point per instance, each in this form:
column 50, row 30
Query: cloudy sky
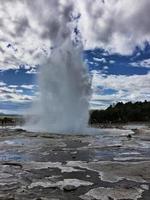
column 115, row 36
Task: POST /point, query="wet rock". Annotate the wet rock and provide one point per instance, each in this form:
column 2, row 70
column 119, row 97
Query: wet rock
column 42, row 198
column 69, row 188
column 20, row 130
column 73, row 157
column 13, row 164
column 110, row 198
column 113, row 193
column 145, row 187
column 66, row 167
column 5, row 186
column 9, row 198
column 129, row 136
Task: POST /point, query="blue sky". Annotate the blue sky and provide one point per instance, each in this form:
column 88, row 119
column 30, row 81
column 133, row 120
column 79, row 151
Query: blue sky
column 116, row 46
column 105, row 67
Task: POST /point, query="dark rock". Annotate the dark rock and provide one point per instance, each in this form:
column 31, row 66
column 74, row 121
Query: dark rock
column 73, row 157
column 20, row 130
column 129, row 136
column 13, row 164
column 69, row 188
column 110, row 198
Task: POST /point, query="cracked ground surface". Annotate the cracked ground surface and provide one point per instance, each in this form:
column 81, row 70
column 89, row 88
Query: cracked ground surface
column 106, row 166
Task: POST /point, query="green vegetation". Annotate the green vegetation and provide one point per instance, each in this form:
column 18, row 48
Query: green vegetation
column 122, row 113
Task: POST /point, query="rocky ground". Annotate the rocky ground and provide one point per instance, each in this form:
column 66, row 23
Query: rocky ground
column 111, row 165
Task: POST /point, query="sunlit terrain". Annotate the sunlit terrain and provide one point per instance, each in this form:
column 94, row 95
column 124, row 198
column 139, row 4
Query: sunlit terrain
column 112, row 164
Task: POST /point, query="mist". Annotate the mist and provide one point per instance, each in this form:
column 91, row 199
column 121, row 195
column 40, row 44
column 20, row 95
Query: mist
column 64, row 83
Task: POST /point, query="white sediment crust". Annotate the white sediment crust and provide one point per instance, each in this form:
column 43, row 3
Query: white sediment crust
column 117, row 131
column 102, row 193
column 145, row 187
column 45, row 165
column 131, row 158
column 135, row 126
column 60, row 184
column 130, row 153
column 113, row 171
column 5, row 175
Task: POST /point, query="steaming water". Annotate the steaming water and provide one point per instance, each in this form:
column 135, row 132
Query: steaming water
column 63, row 79
column 64, row 91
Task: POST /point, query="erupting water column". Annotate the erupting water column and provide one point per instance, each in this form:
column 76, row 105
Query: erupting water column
column 65, row 89
column 64, row 86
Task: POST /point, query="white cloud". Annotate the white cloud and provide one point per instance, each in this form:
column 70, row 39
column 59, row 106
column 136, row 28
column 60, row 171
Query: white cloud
column 103, row 60
column 128, row 88
column 30, row 87
column 12, row 94
column 13, row 86
column 32, row 71
column 115, row 25
column 122, row 82
column 111, row 61
column 29, row 29
column 22, row 32
column 143, row 63
column 2, row 83
column 105, row 67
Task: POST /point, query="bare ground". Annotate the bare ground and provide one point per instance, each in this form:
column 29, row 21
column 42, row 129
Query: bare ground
column 112, row 165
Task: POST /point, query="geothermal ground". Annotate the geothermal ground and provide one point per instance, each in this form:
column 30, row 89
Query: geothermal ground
column 111, row 165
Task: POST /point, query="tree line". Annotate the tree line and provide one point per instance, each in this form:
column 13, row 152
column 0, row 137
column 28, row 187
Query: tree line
column 122, row 113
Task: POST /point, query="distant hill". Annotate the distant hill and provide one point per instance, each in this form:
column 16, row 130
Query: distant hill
column 122, row 112
column 4, row 114
column 9, row 115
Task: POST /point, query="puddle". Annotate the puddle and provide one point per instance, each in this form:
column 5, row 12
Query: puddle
column 13, row 157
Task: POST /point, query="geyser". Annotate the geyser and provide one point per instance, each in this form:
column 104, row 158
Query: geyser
column 63, row 82
column 64, row 90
